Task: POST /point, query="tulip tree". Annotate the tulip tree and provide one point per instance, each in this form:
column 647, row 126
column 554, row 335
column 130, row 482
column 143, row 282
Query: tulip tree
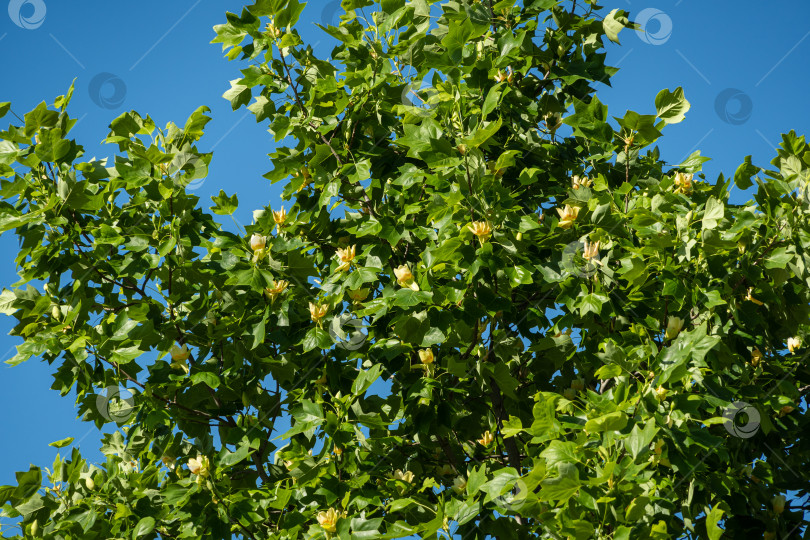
column 486, row 309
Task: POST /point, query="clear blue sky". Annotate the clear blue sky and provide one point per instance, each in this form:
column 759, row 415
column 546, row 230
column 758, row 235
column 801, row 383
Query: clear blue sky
column 743, row 67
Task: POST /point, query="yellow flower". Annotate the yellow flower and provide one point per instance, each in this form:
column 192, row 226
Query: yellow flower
column 459, row 484
column 359, row 295
column 500, row 76
column 683, row 182
column 486, row 439
column 481, row 229
column 793, row 343
column 426, row 356
column 756, row 357
column 779, row 504
column 659, row 447
column 568, row 215
column 577, row 182
column 591, row 250
column 328, row 520
column 318, row 311
column 277, row 288
column 338, row 451
column 406, row 476
column 661, row 393
column 279, row 217
column 405, row 277
column 199, row 466
column 257, row 242
column 751, row 298
column 180, row 354
column 346, row 257
column 674, row 326
column 179, row 357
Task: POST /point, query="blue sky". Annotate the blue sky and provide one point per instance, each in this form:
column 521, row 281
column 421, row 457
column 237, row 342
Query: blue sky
column 743, row 68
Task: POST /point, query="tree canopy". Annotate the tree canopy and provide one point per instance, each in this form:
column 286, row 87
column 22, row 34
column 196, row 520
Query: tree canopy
column 486, row 308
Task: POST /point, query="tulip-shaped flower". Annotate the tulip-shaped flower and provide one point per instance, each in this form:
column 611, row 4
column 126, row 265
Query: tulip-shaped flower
column 486, row 439
column 279, row 217
column 200, row 466
column 577, row 182
column 278, row 287
column 405, row 277
column 674, row 326
column 793, row 343
column 568, row 215
column 359, row 295
column 318, row 311
column 683, row 183
column 169, row 462
column 406, row 476
column 481, row 229
column 779, row 504
column 180, row 357
column 346, row 257
column 257, row 242
column 328, row 520
column 459, row 484
column 591, row 250
column 661, row 393
column 756, row 357
column 426, row 356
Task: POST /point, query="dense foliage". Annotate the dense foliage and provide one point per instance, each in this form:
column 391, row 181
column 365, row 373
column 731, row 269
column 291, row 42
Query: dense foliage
column 486, row 307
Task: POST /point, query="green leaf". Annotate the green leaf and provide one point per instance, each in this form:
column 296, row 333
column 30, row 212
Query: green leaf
column 365, row 378
column 712, row 519
column 671, row 107
column 563, row 487
column 640, row 439
column 693, row 163
column 742, row 177
column 614, row 421
column 225, row 205
column 714, row 212
column 636, row 509
column 61, row 442
column 7, row 299
column 145, row 526
column 613, row 23
column 4, row 108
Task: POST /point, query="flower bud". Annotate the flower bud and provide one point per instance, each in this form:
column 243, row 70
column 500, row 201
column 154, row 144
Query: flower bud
column 257, row 242
column 779, row 504
column 661, row 393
